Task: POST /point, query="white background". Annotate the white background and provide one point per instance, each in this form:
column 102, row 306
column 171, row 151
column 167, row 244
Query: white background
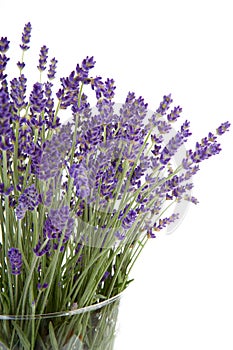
column 182, row 297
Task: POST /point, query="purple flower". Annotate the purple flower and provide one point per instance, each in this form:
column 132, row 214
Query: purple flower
column 174, row 114
column 88, row 63
column 83, row 70
column 42, row 286
column 20, row 65
column 28, row 200
column 4, row 45
column 3, row 58
column 49, row 196
column 106, row 111
column 205, row 149
column 108, row 182
column 136, row 176
column 39, row 251
column 18, row 92
column 97, row 85
column 37, row 104
column 165, row 222
column 15, row 258
column 52, row 68
column 163, row 126
column 150, row 233
column 109, row 87
column 128, row 219
column 133, row 111
column 7, row 135
column 81, row 180
column 175, row 143
column 6, row 191
column 191, row 199
column 165, row 104
column 43, row 58
column 48, row 160
column 223, row 128
column 26, row 35
column 120, row 236
column 92, row 137
column 26, row 144
column 57, row 221
column 105, row 276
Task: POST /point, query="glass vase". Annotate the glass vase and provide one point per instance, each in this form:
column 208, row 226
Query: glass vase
column 90, row 328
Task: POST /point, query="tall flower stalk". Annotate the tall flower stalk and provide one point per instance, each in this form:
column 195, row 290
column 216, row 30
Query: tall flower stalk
column 79, row 201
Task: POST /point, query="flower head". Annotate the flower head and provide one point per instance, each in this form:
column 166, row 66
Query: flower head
column 43, row 58
column 81, row 180
column 18, row 92
column 174, row 114
column 4, row 45
column 59, row 220
column 37, row 100
column 15, row 258
column 52, row 68
column 26, row 36
column 7, row 135
column 165, row 105
column 223, row 128
column 48, row 160
column 28, row 200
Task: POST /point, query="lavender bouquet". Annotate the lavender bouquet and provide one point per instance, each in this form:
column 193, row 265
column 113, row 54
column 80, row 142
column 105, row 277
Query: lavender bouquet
column 79, row 200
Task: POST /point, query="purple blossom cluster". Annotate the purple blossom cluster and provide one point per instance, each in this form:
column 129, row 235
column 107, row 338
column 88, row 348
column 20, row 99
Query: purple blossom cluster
column 18, row 92
column 43, row 58
column 48, row 160
column 175, row 143
column 69, row 92
column 58, row 224
column 7, row 136
column 205, row 149
column 4, row 46
column 26, row 36
column 81, row 179
column 52, row 68
column 37, row 102
column 15, row 258
column 28, row 200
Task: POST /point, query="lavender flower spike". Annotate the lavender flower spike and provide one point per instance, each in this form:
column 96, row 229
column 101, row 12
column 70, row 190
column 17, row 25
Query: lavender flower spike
column 52, row 68
column 26, row 35
column 165, row 104
column 4, row 45
column 43, row 58
column 29, row 200
column 223, row 128
column 15, row 258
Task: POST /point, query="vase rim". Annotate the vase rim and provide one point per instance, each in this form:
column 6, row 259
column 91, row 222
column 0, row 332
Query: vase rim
column 72, row 312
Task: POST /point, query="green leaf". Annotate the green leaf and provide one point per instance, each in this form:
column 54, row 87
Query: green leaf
column 23, row 338
column 53, row 337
